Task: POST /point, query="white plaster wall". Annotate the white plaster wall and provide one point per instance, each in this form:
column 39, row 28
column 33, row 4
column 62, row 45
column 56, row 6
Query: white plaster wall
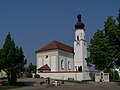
column 86, row 75
column 65, row 63
column 63, row 76
column 85, row 56
column 63, row 68
column 47, row 60
column 105, row 77
column 66, row 56
column 41, row 59
column 53, row 63
column 39, row 62
column 80, row 49
column 54, row 59
column 78, row 57
column 80, row 33
column 70, row 65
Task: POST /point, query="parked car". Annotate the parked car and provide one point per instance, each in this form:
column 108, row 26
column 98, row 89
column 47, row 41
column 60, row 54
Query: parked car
column 56, row 83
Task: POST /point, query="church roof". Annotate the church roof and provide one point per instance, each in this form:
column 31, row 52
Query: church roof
column 45, row 67
column 56, row 45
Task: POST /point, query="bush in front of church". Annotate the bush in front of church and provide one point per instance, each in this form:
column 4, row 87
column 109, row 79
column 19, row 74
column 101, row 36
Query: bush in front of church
column 37, row 76
column 28, row 75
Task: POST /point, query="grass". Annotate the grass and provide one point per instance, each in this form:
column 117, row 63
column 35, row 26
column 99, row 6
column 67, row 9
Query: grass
column 15, row 85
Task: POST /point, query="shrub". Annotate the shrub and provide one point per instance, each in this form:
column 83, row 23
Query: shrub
column 28, row 75
column 37, row 76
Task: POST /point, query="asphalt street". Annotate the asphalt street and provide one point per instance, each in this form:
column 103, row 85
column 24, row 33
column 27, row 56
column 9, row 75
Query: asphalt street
column 34, row 84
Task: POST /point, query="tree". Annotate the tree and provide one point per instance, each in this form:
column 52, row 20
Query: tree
column 12, row 59
column 104, row 46
column 118, row 40
column 32, row 68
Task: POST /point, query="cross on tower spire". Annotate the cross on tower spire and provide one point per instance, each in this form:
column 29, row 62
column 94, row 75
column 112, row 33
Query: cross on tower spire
column 79, row 24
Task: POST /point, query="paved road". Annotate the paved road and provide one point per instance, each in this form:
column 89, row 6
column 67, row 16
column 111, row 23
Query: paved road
column 34, row 85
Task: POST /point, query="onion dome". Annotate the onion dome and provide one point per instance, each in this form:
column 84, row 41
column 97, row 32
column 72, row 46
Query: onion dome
column 79, row 24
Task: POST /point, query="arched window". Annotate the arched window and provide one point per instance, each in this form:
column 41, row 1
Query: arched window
column 68, row 65
column 78, row 38
column 62, row 64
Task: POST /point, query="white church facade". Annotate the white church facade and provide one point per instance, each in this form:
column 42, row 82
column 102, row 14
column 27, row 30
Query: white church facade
column 60, row 61
column 55, row 57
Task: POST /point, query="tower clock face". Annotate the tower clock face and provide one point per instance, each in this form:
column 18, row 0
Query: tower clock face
column 77, row 43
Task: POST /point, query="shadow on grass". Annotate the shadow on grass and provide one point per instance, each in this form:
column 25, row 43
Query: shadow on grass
column 13, row 85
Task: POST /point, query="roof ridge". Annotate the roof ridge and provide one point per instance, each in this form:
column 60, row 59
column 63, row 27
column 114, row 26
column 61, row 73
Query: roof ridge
column 56, row 45
column 55, row 42
column 61, row 43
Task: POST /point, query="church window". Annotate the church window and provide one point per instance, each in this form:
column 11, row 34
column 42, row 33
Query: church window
column 46, row 56
column 68, row 65
column 62, row 64
column 78, row 38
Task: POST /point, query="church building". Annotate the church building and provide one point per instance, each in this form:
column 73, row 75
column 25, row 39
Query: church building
column 60, row 61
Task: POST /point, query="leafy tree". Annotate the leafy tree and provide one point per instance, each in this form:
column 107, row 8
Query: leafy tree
column 29, row 70
column 32, row 68
column 118, row 40
column 11, row 59
column 104, row 46
column 98, row 50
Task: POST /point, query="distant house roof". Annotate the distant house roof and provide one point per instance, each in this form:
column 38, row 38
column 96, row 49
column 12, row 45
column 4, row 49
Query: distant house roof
column 45, row 67
column 56, row 45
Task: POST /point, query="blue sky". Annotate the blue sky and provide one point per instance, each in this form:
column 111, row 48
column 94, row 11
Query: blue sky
column 34, row 23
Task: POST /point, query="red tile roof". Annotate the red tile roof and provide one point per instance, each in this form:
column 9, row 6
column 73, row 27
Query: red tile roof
column 45, row 67
column 56, row 45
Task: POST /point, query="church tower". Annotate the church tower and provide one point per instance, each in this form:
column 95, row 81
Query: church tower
column 80, row 46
